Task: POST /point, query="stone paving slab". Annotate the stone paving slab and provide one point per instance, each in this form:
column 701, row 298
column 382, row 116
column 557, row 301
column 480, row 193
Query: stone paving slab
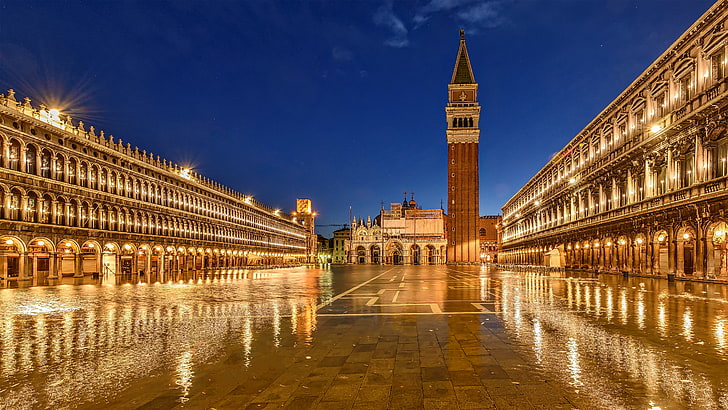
column 368, row 353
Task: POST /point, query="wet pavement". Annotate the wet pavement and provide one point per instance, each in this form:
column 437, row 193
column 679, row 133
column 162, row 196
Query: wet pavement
column 366, row 337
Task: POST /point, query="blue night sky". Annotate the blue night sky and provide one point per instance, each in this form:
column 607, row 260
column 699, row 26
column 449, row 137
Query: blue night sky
column 338, row 101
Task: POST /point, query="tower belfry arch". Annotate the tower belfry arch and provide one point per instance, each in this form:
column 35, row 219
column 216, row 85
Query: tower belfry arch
column 463, row 135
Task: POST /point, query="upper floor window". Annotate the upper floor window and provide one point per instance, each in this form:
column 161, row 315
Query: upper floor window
column 685, row 85
column 717, row 65
column 687, row 166
column 659, row 105
column 30, row 162
column 14, row 155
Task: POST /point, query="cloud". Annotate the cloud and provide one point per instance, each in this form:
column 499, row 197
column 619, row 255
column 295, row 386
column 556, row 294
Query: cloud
column 436, row 6
column 482, row 15
column 386, row 18
column 471, row 14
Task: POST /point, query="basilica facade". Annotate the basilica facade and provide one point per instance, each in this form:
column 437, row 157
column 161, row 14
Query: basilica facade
column 402, row 235
column 76, row 202
column 642, row 188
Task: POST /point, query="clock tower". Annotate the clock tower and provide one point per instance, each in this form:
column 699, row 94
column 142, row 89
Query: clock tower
column 463, row 134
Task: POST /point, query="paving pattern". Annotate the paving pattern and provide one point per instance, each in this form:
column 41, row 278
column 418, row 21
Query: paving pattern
column 404, row 339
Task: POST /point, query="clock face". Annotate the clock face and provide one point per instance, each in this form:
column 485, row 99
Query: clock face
column 462, row 96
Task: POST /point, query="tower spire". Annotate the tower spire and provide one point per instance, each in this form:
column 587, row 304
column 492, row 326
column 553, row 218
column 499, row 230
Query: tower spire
column 462, row 73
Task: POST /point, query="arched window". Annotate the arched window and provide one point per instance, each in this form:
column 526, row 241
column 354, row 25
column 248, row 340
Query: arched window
column 73, row 214
column 31, row 205
column 482, row 232
column 61, row 211
column 45, row 210
column 94, row 178
column 112, row 182
column 14, row 211
column 103, row 176
column 60, row 167
column 72, row 168
column 14, row 155
column 45, row 164
column 83, row 174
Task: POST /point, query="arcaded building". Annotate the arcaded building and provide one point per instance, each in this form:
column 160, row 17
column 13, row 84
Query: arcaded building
column 77, row 202
column 642, row 188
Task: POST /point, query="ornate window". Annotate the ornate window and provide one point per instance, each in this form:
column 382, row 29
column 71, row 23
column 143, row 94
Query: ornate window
column 30, row 161
column 45, row 164
column 687, row 172
column 717, row 66
column 14, row 155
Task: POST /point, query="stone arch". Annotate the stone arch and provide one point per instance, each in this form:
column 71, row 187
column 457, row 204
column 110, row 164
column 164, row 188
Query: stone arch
column 415, row 252
column 360, row 255
column 12, row 257
column 621, row 252
column 685, row 262
column 640, row 260
column 431, row 256
column 69, row 258
column 376, row 254
column 717, row 249
column 661, row 251
column 394, row 251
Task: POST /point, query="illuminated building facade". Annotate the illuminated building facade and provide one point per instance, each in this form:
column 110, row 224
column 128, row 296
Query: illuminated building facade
column 642, row 188
column 402, row 235
column 77, row 202
column 341, row 245
column 463, row 135
column 489, row 238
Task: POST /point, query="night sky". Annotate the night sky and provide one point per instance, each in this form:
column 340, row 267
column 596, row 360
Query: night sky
column 338, row 101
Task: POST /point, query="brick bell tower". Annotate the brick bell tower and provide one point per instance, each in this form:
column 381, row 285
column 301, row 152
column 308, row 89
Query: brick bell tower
column 463, row 134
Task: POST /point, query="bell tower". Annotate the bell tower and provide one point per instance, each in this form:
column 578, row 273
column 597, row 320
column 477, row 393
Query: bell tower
column 463, row 134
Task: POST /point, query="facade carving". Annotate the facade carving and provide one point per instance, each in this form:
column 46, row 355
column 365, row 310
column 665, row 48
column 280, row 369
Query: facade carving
column 76, row 202
column 402, row 235
column 642, row 188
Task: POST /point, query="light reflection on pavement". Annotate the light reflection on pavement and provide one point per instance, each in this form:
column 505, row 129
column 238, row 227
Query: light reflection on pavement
column 612, row 342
